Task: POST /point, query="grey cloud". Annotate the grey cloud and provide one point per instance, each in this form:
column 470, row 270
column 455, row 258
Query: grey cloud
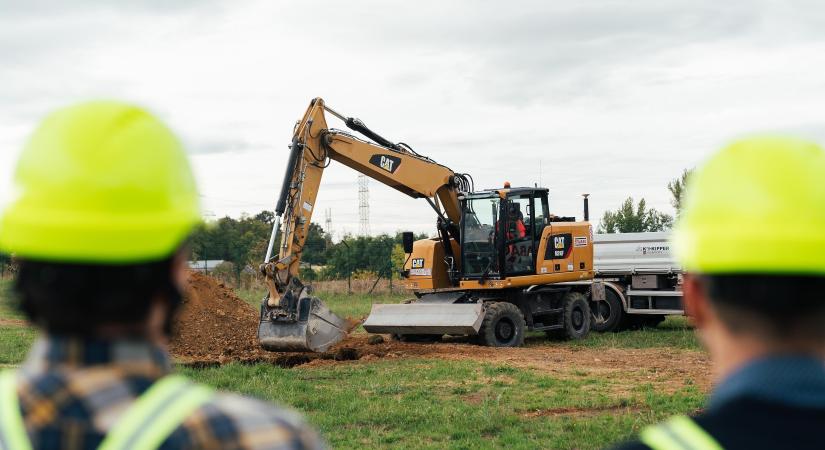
column 552, row 51
column 12, row 8
column 220, row 145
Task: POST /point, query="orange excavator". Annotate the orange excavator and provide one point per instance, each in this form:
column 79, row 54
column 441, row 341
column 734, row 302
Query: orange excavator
column 500, row 265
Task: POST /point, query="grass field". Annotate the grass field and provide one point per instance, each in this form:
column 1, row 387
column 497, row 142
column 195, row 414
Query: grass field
column 433, row 402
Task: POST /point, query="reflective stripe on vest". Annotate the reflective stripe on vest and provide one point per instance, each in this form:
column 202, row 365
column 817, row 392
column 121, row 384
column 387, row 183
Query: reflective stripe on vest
column 12, row 431
column 678, row 433
column 144, row 425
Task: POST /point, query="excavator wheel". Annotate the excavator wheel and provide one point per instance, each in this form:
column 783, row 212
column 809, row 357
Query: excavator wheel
column 503, row 325
column 576, row 317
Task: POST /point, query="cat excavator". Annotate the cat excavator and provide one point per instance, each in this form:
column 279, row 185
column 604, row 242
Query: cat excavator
column 500, row 264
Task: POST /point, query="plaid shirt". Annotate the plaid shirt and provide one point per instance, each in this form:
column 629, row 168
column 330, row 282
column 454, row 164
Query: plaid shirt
column 72, row 391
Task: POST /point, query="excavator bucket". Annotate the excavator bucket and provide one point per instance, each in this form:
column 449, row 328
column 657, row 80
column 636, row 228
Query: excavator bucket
column 425, row 317
column 313, row 329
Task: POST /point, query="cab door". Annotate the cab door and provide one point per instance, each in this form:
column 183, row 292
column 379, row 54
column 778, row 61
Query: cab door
column 519, row 234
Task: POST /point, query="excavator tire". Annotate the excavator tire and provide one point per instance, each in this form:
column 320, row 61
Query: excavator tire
column 503, row 325
column 576, row 317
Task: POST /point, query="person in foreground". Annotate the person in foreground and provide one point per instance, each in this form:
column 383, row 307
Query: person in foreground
column 751, row 241
column 105, row 202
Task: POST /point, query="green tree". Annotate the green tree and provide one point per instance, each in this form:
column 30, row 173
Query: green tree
column 315, row 246
column 398, row 257
column 628, row 219
column 677, row 189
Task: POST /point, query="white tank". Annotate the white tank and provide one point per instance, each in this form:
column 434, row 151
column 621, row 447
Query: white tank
column 629, row 253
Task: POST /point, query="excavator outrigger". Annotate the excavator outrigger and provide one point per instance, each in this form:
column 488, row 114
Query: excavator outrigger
column 501, row 263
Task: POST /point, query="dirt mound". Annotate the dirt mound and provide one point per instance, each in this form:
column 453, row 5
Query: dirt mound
column 213, row 324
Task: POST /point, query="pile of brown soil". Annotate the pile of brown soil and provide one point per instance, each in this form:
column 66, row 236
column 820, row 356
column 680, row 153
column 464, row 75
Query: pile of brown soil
column 214, row 324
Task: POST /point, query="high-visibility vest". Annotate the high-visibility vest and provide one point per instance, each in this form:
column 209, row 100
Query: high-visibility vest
column 144, row 425
column 678, row 433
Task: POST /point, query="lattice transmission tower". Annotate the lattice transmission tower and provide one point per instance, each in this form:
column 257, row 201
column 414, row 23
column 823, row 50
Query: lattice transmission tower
column 363, row 206
column 328, row 223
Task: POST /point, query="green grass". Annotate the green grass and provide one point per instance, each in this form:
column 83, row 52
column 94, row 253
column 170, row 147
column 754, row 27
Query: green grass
column 674, row 332
column 455, row 404
column 16, row 340
column 16, row 343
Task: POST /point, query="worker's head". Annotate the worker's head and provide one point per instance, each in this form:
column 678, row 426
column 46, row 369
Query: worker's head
column 104, row 201
column 751, row 239
column 514, row 210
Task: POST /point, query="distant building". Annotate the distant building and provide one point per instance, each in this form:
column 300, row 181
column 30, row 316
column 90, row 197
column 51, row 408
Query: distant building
column 205, row 265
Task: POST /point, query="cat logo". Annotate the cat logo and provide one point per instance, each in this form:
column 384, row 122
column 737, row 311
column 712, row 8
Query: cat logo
column 558, row 241
column 417, row 263
column 386, row 162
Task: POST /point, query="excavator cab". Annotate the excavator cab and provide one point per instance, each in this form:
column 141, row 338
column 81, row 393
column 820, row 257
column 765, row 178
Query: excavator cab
column 501, row 231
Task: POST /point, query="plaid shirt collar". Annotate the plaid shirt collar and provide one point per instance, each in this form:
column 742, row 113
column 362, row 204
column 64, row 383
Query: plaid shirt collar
column 63, row 352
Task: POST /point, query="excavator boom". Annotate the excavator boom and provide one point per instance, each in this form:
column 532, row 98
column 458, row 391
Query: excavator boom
column 292, row 319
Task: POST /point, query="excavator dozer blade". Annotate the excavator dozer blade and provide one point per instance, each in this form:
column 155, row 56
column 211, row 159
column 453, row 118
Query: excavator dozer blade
column 425, row 318
column 315, row 330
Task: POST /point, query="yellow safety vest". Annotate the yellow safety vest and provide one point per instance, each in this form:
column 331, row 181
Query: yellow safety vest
column 678, row 433
column 144, row 425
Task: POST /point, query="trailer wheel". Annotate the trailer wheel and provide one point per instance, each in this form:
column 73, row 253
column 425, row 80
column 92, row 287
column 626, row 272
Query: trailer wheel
column 576, row 317
column 503, row 325
column 607, row 314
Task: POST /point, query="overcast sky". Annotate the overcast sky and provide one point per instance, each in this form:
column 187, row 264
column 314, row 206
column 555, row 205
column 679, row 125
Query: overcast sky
column 606, row 97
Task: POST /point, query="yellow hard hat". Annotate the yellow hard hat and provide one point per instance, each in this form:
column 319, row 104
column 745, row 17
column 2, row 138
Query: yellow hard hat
column 100, row 182
column 756, row 207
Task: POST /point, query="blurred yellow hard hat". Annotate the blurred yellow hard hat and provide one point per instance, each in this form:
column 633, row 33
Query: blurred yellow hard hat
column 756, row 207
column 100, row 182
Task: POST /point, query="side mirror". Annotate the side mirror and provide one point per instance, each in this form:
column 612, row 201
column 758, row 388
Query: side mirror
column 407, row 240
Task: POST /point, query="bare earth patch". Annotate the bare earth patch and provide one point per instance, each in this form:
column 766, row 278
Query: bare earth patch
column 13, row 323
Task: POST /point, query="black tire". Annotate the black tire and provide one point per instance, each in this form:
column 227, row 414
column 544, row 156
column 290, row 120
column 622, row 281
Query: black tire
column 503, row 325
column 607, row 314
column 576, row 317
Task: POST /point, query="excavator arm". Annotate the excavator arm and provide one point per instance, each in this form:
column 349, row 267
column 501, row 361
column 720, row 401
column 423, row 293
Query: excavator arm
column 291, row 318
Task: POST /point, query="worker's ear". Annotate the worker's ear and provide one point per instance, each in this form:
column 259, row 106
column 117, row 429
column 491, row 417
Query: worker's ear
column 179, row 267
column 695, row 299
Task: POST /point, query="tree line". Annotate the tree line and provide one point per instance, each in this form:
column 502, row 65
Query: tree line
column 243, row 243
column 633, row 217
